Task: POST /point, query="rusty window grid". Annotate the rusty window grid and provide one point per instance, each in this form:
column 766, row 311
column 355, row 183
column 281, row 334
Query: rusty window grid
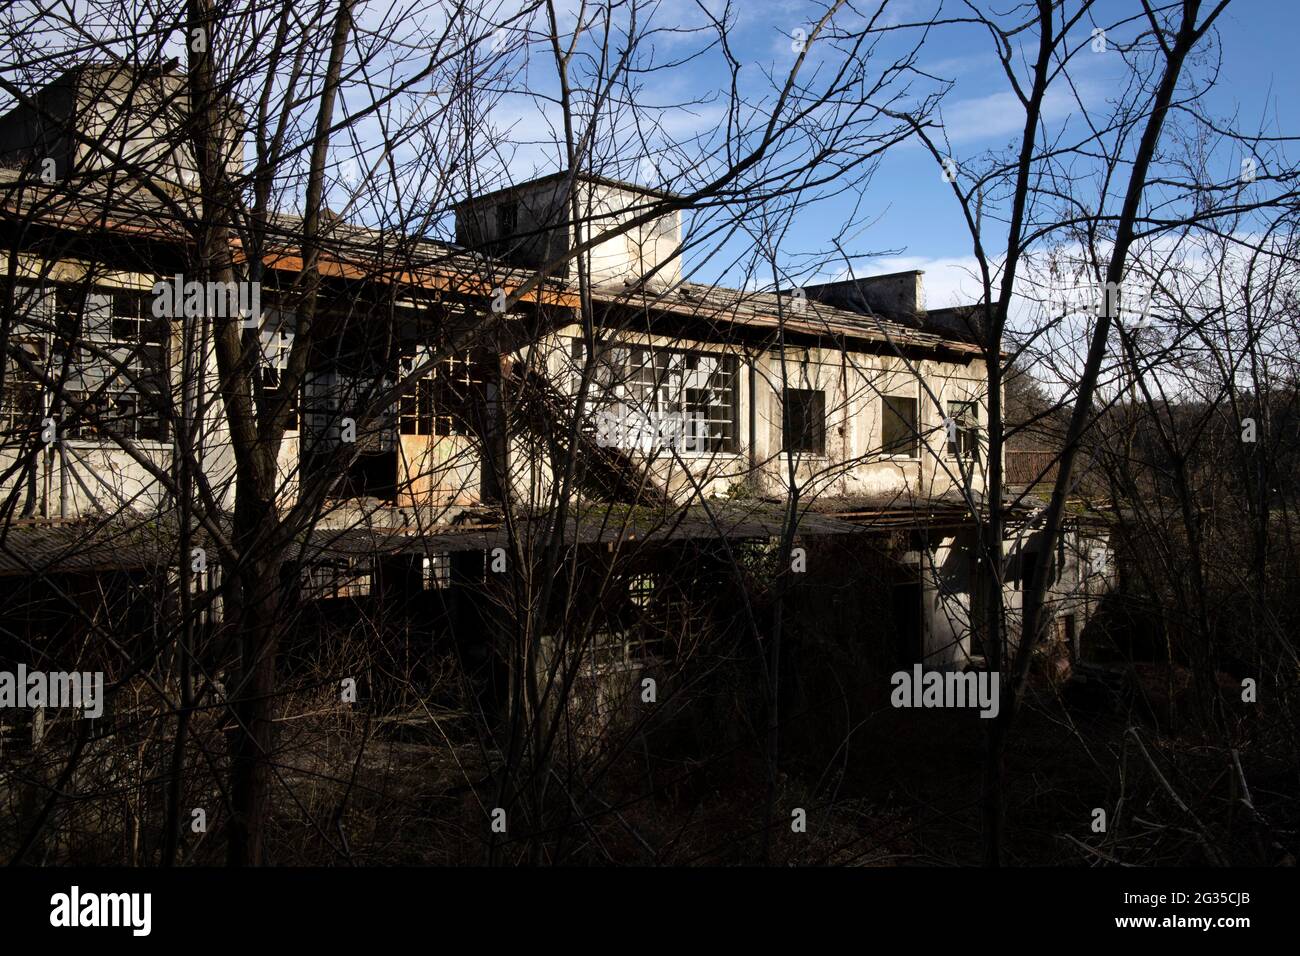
column 445, row 399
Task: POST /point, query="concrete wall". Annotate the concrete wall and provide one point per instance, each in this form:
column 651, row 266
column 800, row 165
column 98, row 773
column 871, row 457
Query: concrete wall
column 124, row 119
column 77, row 476
column 853, row 382
column 949, row 566
column 439, row 471
column 544, row 231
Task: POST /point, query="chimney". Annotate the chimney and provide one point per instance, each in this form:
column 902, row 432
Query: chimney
column 898, row 296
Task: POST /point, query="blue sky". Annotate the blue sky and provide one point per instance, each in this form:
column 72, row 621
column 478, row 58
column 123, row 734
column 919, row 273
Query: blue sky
column 916, row 211
column 1258, row 83
column 907, row 208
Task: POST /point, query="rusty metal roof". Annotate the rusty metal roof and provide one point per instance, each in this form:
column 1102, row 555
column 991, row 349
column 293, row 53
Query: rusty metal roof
column 367, row 254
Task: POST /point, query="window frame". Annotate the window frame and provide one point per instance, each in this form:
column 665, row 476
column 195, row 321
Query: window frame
column 967, row 442
column 639, row 380
column 446, row 398
column 914, row 435
column 336, row 578
column 815, row 409
column 137, row 340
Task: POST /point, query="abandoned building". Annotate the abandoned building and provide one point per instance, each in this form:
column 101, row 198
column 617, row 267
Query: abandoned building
column 450, row 395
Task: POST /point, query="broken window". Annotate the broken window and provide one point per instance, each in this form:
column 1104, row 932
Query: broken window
column 275, row 342
column 803, row 421
column 25, row 357
column 20, row 402
column 338, row 578
column 116, row 356
column 339, row 405
column 641, row 386
column 447, row 399
column 898, row 426
column 963, row 429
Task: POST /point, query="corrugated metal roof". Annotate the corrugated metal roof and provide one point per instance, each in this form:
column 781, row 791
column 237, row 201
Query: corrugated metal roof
column 34, row 548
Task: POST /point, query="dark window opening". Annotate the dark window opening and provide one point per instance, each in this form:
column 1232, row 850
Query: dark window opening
column 906, row 612
column 1070, row 635
column 898, row 426
column 803, row 421
column 273, row 392
column 372, row 475
column 344, row 436
column 507, row 219
column 1029, row 564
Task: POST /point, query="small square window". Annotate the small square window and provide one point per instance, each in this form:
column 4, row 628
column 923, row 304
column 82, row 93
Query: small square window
column 436, row 571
